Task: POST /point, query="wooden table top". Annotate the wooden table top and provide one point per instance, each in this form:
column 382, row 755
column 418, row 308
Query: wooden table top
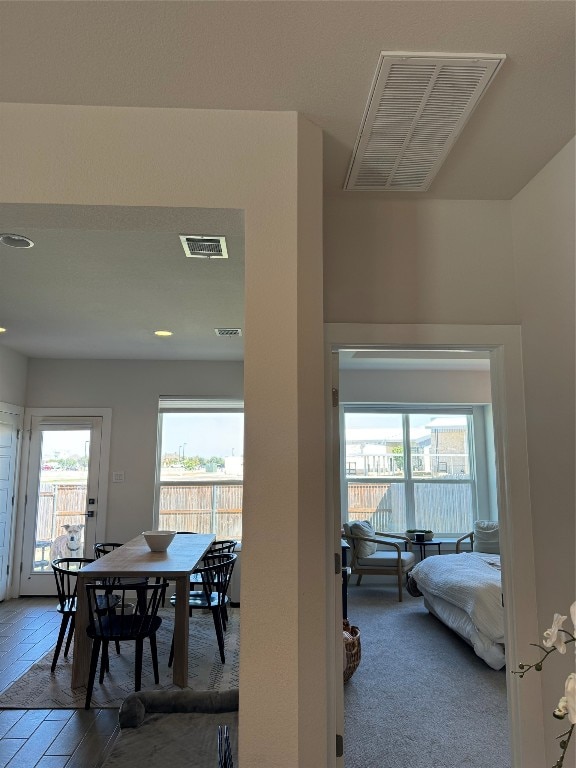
column 135, row 558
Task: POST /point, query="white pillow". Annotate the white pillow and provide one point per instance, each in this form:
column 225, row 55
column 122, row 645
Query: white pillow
column 363, row 528
column 486, row 537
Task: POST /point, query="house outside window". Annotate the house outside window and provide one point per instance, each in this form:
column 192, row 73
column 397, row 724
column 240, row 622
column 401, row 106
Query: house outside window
column 200, row 467
column 413, row 468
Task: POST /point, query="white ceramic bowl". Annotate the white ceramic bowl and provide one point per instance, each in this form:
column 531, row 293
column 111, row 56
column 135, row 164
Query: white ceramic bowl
column 158, row 541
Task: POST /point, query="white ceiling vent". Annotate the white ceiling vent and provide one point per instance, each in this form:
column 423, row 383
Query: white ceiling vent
column 204, row 246
column 418, row 104
column 228, row 331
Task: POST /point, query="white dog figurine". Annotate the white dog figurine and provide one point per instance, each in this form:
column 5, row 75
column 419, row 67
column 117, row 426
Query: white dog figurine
column 69, row 544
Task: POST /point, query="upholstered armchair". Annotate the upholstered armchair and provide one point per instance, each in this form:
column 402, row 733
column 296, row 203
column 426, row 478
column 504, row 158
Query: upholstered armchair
column 484, row 538
column 375, row 553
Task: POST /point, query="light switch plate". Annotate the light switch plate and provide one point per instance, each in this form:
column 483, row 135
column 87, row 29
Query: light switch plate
column 117, row 477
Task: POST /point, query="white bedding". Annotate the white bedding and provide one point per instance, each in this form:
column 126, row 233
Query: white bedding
column 470, row 581
column 455, row 618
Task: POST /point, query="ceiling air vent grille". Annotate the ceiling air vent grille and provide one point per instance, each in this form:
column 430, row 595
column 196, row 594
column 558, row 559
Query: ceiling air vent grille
column 228, row 331
column 204, row 246
column 418, row 104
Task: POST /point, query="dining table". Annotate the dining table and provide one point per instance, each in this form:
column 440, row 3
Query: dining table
column 135, row 559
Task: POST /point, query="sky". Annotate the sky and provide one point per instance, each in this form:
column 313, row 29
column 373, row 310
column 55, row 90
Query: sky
column 203, row 434
column 187, row 434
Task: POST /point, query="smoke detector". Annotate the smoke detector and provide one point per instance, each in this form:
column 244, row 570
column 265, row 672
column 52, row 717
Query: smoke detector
column 204, row 246
column 417, row 107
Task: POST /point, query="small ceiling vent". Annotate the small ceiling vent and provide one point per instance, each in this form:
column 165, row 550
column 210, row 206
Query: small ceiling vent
column 204, row 246
column 228, row 331
column 418, row 105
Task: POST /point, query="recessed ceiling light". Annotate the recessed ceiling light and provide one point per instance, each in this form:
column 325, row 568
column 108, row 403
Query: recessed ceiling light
column 163, row 333
column 2, row 330
column 16, row 241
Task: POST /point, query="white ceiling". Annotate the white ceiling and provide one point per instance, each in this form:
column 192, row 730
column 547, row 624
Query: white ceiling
column 108, row 278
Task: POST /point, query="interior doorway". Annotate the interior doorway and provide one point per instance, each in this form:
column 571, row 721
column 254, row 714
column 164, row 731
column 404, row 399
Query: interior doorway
column 502, row 344
column 416, row 452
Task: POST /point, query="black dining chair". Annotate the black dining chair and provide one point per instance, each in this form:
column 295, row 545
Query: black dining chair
column 215, row 573
column 65, row 572
column 125, row 621
column 224, row 749
column 219, row 547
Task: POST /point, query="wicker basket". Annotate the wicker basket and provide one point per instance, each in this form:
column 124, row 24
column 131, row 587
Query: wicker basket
column 351, row 649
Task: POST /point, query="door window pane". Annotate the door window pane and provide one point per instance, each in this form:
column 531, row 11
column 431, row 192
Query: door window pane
column 62, row 491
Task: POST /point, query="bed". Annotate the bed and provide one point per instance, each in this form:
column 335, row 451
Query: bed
column 464, row 591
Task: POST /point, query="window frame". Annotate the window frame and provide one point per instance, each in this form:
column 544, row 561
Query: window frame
column 186, row 406
column 478, row 480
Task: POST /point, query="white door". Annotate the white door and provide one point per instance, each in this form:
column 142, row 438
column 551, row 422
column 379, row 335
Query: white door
column 10, row 424
column 61, row 502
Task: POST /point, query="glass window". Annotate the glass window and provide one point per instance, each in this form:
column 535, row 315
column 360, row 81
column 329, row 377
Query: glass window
column 201, row 469
column 410, row 469
column 374, row 445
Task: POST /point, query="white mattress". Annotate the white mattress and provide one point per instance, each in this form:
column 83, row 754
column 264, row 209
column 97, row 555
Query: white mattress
column 465, row 592
column 455, row 618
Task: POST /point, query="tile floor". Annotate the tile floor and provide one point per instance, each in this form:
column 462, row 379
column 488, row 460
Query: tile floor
column 44, row 738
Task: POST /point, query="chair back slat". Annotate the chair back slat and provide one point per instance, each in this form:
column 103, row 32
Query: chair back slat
column 65, row 572
column 104, row 548
column 224, row 749
column 223, row 547
column 215, row 574
column 123, row 612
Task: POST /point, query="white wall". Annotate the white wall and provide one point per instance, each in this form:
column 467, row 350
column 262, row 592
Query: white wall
column 418, row 261
column 268, row 164
column 132, row 389
column 13, row 371
column 543, row 221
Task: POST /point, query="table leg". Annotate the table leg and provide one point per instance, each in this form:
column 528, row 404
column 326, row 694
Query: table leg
column 181, row 625
column 82, row 643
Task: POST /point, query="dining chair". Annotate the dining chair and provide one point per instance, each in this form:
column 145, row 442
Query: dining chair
column 220, row 547
column 224, row 749
column 65, row 572
column 125, row 621
column 223, row 547
column 215, row 573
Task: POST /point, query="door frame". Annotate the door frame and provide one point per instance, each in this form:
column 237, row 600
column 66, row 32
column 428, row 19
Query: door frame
column 504, row 345
column 54, row 413
column 15, row 410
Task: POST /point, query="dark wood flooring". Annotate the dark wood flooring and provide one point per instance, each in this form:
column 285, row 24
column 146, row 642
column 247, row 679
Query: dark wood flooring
column 44, row 738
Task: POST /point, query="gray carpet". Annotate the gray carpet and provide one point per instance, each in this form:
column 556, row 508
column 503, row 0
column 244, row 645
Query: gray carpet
column 420, row 697
column 39, row 689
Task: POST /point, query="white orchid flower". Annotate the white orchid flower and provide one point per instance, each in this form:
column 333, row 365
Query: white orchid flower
column 562, row 709
column 551, row 637
column 570, row 697
column 573, row 614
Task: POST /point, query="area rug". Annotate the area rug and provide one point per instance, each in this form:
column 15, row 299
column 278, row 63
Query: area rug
column 38, row 688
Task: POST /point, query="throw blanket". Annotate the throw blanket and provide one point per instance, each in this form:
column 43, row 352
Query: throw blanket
column 471, row 581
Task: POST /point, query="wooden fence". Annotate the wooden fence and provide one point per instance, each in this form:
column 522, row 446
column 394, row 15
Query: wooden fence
column 442, row 507
column 204, row 508
column 58, row 504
